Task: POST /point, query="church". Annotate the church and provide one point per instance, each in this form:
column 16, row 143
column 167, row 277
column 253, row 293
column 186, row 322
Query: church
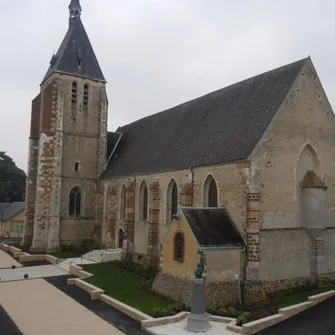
column 245, row 173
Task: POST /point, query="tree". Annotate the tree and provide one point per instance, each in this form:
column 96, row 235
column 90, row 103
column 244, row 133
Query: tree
column 12, row 180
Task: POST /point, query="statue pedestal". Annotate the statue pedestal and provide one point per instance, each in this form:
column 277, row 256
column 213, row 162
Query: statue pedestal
column 198, row 319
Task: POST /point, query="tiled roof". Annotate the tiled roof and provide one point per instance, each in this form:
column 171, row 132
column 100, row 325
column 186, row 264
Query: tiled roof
column 222, row 126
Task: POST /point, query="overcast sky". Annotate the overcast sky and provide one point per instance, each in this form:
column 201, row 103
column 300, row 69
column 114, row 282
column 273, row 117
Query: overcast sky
column 157, row 53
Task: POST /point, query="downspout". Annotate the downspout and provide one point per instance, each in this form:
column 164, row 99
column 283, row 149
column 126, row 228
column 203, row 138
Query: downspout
column 192, row 186
column 242, row 276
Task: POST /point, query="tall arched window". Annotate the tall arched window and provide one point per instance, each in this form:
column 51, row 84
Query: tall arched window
column 172, row 200
column 210, row 193
column 213, row 194
column 123, row 202
column 144, row 200
column 75, row 201
column 179, row 247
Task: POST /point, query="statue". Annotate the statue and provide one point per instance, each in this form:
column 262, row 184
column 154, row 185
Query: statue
column 199, row 271
column 199, row 320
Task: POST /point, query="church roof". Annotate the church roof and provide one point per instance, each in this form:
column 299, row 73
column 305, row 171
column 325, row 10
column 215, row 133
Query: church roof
column 223, row 126
column 76, row 56
column 212, row 227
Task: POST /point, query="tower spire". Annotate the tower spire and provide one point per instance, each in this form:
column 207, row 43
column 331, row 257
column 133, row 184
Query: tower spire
column 75, row 9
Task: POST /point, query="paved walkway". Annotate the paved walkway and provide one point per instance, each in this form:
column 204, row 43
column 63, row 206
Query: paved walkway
column 38, row 308
column 33, row 272
column 114, row 317
column 6, row 261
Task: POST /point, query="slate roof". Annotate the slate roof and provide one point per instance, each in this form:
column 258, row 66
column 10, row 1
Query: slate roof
column 76, row 44
column 223, row 126
column 112, row 140
column 7, row 211
column 213, row 227
column 3, row 207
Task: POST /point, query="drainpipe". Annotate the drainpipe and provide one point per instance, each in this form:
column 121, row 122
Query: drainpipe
column 192, row 182
column 242, row 276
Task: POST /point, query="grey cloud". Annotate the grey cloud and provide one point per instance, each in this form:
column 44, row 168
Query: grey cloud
column 157, row 53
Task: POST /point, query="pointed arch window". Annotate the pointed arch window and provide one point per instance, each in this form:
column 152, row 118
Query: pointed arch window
column 172, row 200
column 212, row 194
column 123, row 202
column 179, row 247
column 144, row 201
column 75, row 201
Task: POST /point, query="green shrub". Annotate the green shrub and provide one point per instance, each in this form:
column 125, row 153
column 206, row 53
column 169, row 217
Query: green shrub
column 169, row 310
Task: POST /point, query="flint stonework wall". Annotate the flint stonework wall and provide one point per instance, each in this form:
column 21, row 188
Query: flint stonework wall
column 218, row 294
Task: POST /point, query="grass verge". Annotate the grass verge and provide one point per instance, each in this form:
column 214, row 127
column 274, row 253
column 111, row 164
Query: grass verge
column 126, row 287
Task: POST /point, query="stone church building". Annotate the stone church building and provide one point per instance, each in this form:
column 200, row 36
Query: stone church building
column 263, row 149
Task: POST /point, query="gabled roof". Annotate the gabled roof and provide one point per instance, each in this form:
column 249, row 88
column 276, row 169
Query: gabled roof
column 212, row 227
column 3, row 207
column 223, row 126
column 10, row 210
column 76, row 46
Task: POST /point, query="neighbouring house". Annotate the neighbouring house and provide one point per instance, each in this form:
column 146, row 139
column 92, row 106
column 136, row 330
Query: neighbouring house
column 202, row 232
column 12, row 219
column 262, row 149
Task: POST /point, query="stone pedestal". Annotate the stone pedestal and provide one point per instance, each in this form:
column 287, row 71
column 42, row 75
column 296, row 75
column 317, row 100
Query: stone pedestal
column 198, row 319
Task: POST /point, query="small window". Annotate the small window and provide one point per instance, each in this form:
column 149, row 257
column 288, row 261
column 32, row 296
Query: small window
column 75, row 202
column 179, row 247
column 85, row 95
column 74, row 93
column 79, row 62
column 76, row 166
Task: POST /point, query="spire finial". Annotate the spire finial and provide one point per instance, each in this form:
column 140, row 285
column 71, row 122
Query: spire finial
column 75, row 9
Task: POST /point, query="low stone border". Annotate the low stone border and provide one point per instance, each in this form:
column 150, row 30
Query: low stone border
column 149, row 323
column 125, row 309
column 25, row 257
column 79, row 272
column 283, row 314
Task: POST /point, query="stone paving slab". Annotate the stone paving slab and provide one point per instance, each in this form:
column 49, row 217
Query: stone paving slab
column 42, row 271
column 38, row 308
column 178, row 328
column 7, row 261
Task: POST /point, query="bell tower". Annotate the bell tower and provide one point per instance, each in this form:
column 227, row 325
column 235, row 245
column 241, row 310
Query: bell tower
column 67, row 146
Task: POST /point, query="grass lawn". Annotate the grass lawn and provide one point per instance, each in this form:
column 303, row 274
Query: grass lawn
column 124, row 287
column 66, row 254
column 297, row 298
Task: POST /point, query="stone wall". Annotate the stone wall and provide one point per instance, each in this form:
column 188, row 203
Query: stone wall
column 218, row 294
column 299, row 139
column 231, row 181
column 72, row 142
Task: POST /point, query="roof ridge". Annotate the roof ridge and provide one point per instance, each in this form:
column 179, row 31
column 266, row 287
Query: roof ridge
column 221, row 89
